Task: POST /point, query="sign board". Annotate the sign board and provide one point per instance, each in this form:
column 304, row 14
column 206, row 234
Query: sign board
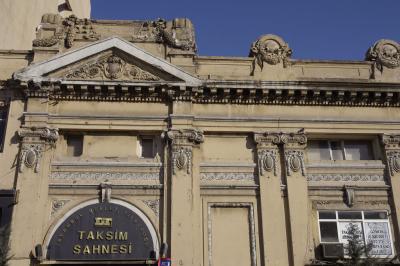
column 164, row 262
column 102, row 231
column 378, row 234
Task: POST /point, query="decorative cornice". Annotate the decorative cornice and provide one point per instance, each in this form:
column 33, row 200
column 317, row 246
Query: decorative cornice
column 246, row 92
column 49, row 135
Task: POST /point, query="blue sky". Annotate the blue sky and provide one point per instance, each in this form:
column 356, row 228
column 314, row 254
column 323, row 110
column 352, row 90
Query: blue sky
column 314, row 29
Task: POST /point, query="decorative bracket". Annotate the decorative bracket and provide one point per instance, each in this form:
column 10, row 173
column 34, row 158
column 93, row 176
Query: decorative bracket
column 106, row 188
column 349, row 196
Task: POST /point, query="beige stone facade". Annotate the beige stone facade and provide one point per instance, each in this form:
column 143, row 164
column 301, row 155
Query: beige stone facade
column 259, row 160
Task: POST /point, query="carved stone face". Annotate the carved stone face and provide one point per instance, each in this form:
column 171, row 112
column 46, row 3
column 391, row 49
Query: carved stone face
column 271, row 52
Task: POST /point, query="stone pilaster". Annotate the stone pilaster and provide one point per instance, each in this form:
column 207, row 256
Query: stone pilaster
column 185, row 201
column 30, row 213
column 294, row 145
column 271, row 200
column 391, row 145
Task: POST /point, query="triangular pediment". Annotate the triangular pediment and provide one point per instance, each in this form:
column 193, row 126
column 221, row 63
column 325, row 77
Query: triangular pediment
column 112, row 59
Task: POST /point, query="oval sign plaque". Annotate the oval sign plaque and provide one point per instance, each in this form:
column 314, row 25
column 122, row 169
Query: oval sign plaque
column 103, row 231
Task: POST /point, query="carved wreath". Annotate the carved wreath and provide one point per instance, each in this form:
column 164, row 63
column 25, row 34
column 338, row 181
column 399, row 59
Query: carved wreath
column 385, row 53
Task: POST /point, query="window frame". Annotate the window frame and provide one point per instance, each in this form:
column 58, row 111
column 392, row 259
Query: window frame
column 362, row 221
column 345, row 156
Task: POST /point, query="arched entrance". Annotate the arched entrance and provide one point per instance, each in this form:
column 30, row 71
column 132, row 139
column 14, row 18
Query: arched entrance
column 113, row 232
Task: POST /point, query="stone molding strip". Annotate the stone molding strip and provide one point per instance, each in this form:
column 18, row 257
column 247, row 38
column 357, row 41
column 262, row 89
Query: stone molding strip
column 345, row 177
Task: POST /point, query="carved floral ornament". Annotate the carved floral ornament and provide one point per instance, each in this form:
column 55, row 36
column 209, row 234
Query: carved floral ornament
column 270, row 49
column 384, row 53
column 113, row 68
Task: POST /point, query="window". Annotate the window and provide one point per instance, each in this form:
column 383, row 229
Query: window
column 373, row 227
column 3, row 124
column 146, row 147
column 339, row 150
column 74, row 145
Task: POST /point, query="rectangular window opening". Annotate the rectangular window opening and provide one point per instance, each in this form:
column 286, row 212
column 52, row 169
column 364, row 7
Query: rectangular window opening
column 319, row 150
column 147, row 147
column 74, row 145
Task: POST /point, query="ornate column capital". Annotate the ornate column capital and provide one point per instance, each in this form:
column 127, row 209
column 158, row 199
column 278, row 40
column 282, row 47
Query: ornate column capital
column 267, row 153
column 293, row 143
column 182, row 142
column 183, row 137
column 289, row 140
column 391, row 141
column 33, row 142
column 39, row 134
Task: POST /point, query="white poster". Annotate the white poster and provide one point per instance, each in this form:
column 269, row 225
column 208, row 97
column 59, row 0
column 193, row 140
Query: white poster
column 344, row 234
column 378, row 234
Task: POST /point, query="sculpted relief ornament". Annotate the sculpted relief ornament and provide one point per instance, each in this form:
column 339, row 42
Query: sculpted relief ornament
column 113, row 68
column 270, row 49
column 392, row 147
column 32, row 146
column 178, row 33
column 182, row 142
column 385, row 53
column 66, row 30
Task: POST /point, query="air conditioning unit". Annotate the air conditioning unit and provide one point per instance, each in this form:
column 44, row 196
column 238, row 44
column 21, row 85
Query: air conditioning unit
column 332, row 250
